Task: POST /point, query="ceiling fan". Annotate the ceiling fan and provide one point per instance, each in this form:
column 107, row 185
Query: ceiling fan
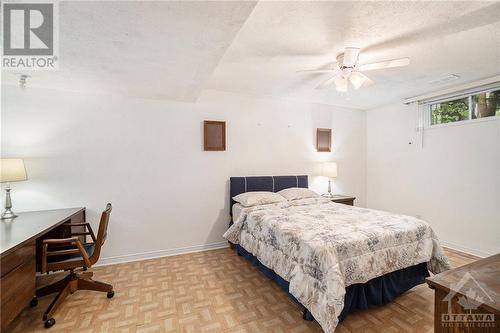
column 348, row 70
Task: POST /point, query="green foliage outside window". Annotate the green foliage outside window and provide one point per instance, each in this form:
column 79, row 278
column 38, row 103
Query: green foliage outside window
column 451, row 111
column 483, row 105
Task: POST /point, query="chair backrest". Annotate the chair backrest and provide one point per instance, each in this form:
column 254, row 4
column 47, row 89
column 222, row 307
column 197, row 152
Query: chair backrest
column 101, row 233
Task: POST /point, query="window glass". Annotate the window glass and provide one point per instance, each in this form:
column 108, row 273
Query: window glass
column 450, row 111
column 486, row 104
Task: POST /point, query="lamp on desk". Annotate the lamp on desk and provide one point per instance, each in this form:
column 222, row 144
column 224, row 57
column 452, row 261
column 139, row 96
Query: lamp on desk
column 11, row 170
column 329, row 170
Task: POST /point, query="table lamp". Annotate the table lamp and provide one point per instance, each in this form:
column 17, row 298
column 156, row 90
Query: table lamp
column 11, row 170
column 329, row 170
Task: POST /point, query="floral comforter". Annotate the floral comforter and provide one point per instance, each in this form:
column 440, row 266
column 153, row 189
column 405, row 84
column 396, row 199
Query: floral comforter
column 321, row 248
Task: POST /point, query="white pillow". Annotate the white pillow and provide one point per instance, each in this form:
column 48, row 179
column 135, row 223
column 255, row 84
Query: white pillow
column 295, row 193
column 249, row 199
column 310, row 201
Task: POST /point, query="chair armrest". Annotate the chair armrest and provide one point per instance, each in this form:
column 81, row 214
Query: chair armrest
column 70, row 241
column 84, row 224
column 74, row 241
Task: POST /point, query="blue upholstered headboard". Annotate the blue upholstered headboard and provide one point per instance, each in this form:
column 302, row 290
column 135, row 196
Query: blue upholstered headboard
column 239, row 185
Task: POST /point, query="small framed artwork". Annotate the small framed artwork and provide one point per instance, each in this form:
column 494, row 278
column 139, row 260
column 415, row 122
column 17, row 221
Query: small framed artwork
column 324, row 140
column 214, row 135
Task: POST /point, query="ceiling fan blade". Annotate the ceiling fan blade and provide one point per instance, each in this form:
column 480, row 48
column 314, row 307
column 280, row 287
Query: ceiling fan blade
column 317, row 71
column 350, row 56
column 384, row 64
column 328, row 82
column 331, row 68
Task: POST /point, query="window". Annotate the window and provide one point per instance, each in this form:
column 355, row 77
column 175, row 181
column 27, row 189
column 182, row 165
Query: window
column 486, row 104
column 447, row 112
column 475, row 106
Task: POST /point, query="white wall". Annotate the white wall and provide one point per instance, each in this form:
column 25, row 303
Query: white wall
column 453, row 182
column 145, row 156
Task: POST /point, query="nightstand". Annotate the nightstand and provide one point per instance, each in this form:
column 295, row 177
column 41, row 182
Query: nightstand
column 343, row 199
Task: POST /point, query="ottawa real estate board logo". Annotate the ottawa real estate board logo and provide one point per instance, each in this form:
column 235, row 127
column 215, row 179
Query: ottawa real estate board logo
column 30, row 36
column 465, row 307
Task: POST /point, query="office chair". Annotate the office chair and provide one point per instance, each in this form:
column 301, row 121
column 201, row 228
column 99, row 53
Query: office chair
column 69, row 254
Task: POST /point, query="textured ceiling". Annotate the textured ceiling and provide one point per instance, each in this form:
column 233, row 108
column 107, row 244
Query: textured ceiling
column 441, row 38
column 161, row 50
column 173, row 50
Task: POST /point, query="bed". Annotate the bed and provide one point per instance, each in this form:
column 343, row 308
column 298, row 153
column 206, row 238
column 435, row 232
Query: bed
column 329, row 257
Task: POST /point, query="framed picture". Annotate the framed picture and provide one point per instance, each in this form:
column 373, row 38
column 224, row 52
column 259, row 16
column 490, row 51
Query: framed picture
column 324, row 139
column 214, row 135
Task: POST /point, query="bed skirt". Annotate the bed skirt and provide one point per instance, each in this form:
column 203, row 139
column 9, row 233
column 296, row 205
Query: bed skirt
column 377, row 291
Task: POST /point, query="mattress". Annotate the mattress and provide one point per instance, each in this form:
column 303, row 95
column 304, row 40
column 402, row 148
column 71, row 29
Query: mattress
column 237, row 208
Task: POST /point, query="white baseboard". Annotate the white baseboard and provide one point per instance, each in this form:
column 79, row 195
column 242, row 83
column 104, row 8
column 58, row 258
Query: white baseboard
column 465, row 249
column 160, row 253
column 221, row 245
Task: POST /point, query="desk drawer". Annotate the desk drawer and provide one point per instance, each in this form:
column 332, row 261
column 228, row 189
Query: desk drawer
column 17, row 258
column 17, row 283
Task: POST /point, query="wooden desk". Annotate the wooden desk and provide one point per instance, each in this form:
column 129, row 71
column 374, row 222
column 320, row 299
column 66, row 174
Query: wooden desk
column 20, row 249
column 472, row 289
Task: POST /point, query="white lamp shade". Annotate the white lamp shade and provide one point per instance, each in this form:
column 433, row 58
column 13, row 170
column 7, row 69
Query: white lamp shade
column 329, row 169
column 12, row 170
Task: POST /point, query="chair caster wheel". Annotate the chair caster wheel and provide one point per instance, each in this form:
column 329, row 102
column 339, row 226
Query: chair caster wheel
column 110, row 294
column 33, row 302
column 50, row 322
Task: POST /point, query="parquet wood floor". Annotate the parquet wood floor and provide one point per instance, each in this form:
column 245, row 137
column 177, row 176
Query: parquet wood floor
column 213, row 291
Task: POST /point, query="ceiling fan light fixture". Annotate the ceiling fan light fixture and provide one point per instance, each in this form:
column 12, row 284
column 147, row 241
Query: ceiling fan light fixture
column 340, row 80
column 357, row 79
column 349, row 71
column 342, row 89
column 341, row 84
